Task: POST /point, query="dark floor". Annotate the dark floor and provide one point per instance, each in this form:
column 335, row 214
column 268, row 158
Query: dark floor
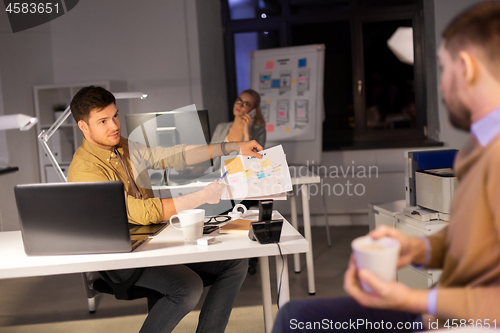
column 58, row 303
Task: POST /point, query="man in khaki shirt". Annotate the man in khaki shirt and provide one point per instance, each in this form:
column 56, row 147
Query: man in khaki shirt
column 105, row 155
column 98, row 159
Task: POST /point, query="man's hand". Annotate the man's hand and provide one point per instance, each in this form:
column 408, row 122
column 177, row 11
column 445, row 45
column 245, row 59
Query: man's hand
column 212, row 192
column 250, row 148
column 386, row 295
column 412, row 250
column 209, row 194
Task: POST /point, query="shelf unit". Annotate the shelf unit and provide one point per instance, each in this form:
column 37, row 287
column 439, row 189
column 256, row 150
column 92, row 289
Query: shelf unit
column 68, row 137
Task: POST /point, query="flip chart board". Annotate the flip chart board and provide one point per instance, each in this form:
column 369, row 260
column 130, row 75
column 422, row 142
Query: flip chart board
column 290, row 82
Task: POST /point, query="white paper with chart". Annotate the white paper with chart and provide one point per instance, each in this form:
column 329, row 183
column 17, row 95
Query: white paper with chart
column 253, row 178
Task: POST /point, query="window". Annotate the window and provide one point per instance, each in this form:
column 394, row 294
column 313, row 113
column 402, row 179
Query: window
column 371, row 98
column 250, row 9
column 244, row 43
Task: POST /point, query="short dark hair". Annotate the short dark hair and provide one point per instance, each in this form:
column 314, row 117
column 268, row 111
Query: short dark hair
column 477, row 26
column 88, row 99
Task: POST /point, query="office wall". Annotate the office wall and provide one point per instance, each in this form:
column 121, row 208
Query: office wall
column 350, row 181
column 211, row 58
column 25, row 61
column 163, row 48
column 438, row 14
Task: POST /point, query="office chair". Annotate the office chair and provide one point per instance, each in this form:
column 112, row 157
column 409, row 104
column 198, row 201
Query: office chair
column 96, row 284
column 126, row 290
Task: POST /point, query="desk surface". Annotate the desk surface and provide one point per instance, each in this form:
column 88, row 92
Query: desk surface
column 167, row 248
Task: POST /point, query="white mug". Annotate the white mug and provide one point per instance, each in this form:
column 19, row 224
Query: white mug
column 191, row 221
column 238, row 212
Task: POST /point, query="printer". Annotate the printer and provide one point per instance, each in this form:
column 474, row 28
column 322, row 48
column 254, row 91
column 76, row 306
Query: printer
column 435, row 189
column 430, row 196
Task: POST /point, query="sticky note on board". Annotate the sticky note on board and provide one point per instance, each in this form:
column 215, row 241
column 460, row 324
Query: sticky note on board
column 269, row 65
column 303, row 62
column 287, row 130
column 234, row 165
column 269, row 128
column 275, row 83
column 265, row 163
column 247, row 173
column 294, row 81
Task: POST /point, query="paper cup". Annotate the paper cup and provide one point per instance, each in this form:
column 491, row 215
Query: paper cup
column 380, row 256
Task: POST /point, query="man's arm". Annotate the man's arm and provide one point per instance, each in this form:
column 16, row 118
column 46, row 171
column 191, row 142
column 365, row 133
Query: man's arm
column 197, row 154
column 209, row 194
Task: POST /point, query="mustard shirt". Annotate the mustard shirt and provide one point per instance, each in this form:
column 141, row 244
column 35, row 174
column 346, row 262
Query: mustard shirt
column 94, row 164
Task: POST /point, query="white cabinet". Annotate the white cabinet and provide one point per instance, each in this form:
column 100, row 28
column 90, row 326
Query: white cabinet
column 411, row 276
column 50, row 100
column 390, row 214
column 384, row 214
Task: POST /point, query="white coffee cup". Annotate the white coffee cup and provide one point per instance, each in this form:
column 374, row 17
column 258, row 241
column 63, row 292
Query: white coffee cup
column 380, row 256
column 191, row 223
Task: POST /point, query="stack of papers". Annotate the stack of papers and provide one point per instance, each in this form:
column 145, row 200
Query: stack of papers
column 257, row 179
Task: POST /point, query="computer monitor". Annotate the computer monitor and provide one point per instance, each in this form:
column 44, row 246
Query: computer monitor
column 169, row 128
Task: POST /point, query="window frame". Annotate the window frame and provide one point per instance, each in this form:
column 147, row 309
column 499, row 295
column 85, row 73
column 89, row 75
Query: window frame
column 357, row 15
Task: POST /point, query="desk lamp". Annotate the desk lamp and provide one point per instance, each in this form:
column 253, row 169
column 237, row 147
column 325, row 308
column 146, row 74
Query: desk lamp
column 45, row 135
column 14, row 121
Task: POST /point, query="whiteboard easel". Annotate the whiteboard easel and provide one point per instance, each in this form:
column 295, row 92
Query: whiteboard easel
column 290, row 82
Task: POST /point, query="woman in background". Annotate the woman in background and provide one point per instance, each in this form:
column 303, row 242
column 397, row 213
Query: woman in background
column 248, row 121
column 248, row 124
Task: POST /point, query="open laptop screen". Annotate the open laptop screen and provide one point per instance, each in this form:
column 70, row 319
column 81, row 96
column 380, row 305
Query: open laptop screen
column 73, row 218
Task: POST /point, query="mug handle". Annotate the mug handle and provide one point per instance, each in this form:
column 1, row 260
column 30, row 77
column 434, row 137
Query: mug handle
column 171, row 217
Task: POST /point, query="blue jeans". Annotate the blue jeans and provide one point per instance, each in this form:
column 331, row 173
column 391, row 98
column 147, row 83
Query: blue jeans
column 182, row 287
column 342, row 314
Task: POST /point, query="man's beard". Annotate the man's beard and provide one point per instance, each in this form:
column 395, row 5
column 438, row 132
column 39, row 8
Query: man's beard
column 460, row 120
column 459, row 114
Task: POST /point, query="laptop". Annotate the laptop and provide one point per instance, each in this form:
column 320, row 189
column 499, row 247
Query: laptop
column 74, row 218
column 150, row 229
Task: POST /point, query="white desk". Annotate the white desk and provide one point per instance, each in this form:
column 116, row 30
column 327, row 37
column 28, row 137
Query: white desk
column 302, row 177
column 167, row 248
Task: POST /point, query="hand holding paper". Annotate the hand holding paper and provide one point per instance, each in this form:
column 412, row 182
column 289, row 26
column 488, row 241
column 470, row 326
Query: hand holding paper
column 250, row 148
column 262, row 178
